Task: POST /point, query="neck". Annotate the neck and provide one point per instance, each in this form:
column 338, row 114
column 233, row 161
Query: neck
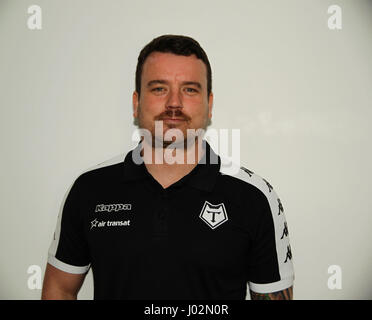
column 168, row 165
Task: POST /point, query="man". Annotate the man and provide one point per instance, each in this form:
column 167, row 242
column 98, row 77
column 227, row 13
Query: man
column 151, row 227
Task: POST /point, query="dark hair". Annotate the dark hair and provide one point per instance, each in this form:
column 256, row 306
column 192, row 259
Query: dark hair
column 176, row 44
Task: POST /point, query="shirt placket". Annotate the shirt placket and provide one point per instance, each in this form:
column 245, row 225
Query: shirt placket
column 161, row 215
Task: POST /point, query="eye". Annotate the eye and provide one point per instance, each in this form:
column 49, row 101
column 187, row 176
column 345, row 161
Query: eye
column 157, row 89
column 191, row 90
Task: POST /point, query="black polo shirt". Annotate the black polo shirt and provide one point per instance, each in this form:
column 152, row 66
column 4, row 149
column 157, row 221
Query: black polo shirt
column 207, row 236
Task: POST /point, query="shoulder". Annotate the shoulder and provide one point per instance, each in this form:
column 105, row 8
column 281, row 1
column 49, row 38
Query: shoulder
column 244, row 181
column 108, row 170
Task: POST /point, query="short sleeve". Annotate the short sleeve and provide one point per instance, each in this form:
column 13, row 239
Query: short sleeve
column 270, row 260
column 69, row 250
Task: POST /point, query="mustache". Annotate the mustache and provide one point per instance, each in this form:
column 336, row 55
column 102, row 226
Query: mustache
column 177, row 113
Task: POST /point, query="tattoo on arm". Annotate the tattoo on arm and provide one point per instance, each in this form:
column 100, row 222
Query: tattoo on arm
column 286, row 294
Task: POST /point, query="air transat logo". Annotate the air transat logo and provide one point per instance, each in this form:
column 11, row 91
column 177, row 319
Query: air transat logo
column 213, row 215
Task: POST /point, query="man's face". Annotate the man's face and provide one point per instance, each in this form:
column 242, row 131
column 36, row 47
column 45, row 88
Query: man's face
column 173, row 90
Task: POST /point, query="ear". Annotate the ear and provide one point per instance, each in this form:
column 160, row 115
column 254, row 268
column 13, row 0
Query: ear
column 210, row 105
column 135, row 100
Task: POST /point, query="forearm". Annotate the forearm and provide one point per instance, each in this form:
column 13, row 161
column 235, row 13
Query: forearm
column 286, row 294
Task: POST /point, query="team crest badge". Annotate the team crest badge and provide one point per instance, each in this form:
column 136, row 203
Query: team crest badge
column 213, row 215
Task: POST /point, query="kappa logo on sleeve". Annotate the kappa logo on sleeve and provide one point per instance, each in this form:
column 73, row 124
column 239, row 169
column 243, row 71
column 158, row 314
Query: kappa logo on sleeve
column 213, row 215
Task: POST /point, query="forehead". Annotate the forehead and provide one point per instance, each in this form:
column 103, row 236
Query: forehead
column 169, row 66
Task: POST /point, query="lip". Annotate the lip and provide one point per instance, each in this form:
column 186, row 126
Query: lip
column 173, row 119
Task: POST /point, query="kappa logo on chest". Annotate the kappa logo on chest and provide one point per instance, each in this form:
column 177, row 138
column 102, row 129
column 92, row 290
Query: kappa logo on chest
column 213, row 214
column 113, row 210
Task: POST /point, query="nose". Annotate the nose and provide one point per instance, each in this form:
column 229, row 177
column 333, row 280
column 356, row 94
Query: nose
column 174, row 101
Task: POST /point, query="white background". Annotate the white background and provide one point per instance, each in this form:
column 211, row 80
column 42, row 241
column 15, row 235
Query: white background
column 299, row 92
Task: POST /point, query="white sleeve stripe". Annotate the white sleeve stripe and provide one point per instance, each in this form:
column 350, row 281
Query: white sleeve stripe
column 66, row 267
column 54, row 245
column 281, row 238
column 271, row 287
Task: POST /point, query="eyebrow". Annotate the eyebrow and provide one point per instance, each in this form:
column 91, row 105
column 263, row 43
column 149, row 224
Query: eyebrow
column 195, row 83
